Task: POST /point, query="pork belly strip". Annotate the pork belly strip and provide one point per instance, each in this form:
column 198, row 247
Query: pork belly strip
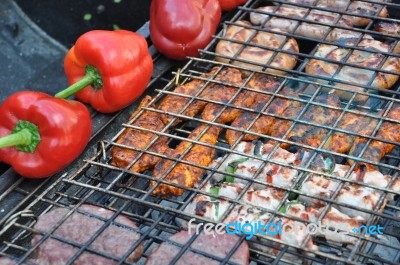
column 140, row 139
column 213, row 91
column 376, row 150
column 259, row 82
column 185, row 174
column 313, row 135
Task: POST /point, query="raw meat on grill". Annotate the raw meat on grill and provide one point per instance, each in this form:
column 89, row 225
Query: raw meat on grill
column 181, row 173
column 216, row 247
column 140, row 139
column 79, row 227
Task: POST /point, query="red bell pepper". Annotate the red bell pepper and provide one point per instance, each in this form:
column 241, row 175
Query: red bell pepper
column 40, row 135
column 180, row 28
column 227, row 5
column 108, row 69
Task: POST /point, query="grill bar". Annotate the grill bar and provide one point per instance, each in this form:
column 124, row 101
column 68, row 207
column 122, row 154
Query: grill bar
column 127, row 193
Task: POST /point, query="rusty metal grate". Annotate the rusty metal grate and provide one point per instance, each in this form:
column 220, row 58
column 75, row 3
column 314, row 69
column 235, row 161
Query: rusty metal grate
column 128, row 193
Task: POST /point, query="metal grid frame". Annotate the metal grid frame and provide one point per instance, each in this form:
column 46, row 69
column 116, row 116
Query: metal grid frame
column 100, row 183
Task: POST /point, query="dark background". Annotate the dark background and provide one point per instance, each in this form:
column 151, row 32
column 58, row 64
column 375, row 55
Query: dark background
column 64, row 19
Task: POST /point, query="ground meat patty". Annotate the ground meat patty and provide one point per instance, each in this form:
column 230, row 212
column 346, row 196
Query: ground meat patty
column 79, row 228
column 6, row 261
column 216, row 245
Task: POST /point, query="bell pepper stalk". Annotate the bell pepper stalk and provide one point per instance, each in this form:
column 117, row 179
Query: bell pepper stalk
column 40, row 134
column 107, row 69
column 227, row 5
column 180, row 28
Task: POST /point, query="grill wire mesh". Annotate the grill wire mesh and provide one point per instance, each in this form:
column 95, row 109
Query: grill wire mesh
column 128, row 193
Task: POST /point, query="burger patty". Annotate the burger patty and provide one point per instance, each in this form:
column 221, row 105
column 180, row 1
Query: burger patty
column 78, row 228
column 217, row 245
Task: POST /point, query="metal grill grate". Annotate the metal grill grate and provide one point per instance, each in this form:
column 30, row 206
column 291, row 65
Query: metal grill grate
column 128, row 193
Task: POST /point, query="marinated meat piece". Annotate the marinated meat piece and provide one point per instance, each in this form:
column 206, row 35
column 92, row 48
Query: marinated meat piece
column 280, row 127
column 295, row 233
column 357, row 76
column 247, row 167
column 214, row 208
column 308, row 29
column 350, row 7
column 78, row 228
column 185, row 174
column 261, row 82
column 211, row 91
column 358, row 196
column 216, row 247
column 140, row 139
column 312, row 135
column 376, row 150
column 257, row 48
column 356, row 123
column 268, row 198
column 388, row 28
column 218, row 111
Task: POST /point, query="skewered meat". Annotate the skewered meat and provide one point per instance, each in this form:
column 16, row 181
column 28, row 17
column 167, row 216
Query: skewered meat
column 184, row 174
column 376, row 150
column 312, row 135
column 140, row 139
column 217, row 246
column 115, row 240
column 263, row 123
column 305, row 29
column 211, row 91
column 350, row 7
column 352, row 74
column 258, row 48
column 356, row 123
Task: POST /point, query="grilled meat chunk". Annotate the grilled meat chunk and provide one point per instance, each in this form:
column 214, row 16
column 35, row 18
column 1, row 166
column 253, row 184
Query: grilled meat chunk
column 312, row 135
column 358, row 77
column 376, row 150
column 184, row 174
column 210, row 91
column 261, row 82
column 280, row 127
column 140, row 139
column 263, row 123
column 310, row 29
column 356, row 123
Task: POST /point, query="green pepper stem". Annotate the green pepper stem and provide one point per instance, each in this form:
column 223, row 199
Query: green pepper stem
column 92, row 77
column 25, row 137
column 20, row 138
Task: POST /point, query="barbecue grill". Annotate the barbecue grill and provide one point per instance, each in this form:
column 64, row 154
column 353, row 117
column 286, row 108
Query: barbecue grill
column 96, row 181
